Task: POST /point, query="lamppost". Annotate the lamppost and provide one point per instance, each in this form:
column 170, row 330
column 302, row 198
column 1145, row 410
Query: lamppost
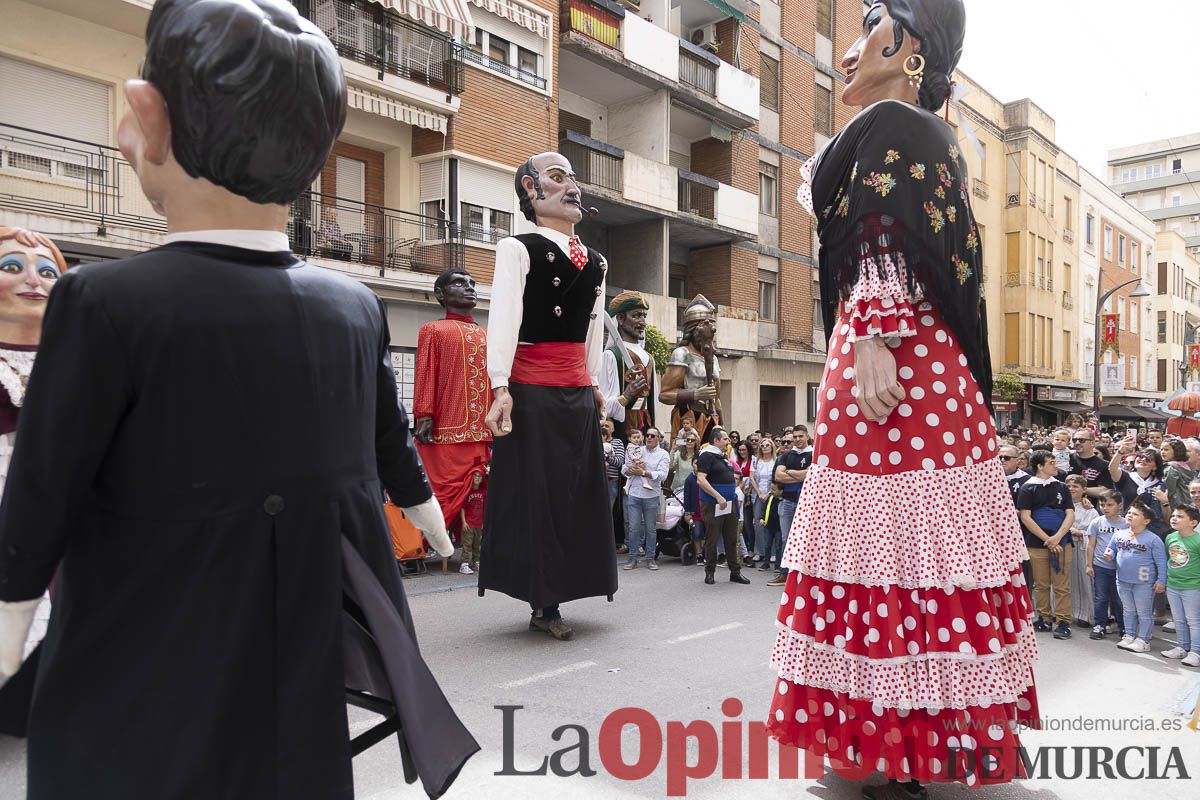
column 1140, row 291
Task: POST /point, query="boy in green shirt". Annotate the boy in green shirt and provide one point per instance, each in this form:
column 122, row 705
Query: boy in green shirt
column 1183, row 584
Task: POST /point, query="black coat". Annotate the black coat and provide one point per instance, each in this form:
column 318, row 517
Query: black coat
column 200, row 457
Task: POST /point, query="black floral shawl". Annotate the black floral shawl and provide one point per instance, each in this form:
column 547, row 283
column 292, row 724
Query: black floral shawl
column 894, row 180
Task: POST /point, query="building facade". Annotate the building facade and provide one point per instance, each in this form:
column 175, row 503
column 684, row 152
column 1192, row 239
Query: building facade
column 1176, row 310
column 1162, row 180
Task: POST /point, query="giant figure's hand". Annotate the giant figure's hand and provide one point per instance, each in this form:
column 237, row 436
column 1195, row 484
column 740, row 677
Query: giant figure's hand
column 15, row 621
column 635, row 387
column 424, row 430
column 499, row 417
column 706, row 392
column 428, row 517
column 596, row 393
column 879, row 390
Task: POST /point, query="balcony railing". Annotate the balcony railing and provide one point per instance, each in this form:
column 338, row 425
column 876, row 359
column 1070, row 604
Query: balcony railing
column 370, row 34
column 346, row 230
column 1068, row 301
column 484, row 60
column 1049, row 284
column 57, row 175
column 595, row 163
column 599, row 20
column 698, row 194
column 979, row 188
column 1068, row 235
column 698, row 68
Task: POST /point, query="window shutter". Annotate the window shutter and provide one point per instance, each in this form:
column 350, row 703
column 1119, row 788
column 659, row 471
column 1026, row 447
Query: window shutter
column 487, row 187
column 78, row 107
column 433, row 181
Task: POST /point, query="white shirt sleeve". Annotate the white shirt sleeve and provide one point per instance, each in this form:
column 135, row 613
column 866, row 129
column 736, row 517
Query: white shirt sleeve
column 506, row 310
column 610, row 387
column 595, row 336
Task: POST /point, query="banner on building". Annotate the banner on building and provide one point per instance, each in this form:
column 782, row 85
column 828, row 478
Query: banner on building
column 1112, row 378
column 1110, row 325
column 1193, row 357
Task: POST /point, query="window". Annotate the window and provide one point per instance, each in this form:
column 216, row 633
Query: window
column 498, row 48
column 768, row 82
column 1089, row 225
column 1067, row 206
column 1176, row 166
column 1108, row 243
column 1176, row 200
column 508, row 48
column 1162, row 327
column 768, row 189
column 825, row 18
column 677, row 282
column 1122, row 319
column 1012, row 180
column 823, row 118
column 1133, row 373
column 1121, row 249
column 818, row 314
column 404, row 363
column 485, row 224
column 1129, row 174
column 1133, row 257
column 767, row 295
column 1153, row 170
column 527, row 61
column 812, row 400
column 1133, row 317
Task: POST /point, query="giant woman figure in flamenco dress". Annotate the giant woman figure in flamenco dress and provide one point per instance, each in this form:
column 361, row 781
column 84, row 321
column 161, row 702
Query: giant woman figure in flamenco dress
column 904, row 639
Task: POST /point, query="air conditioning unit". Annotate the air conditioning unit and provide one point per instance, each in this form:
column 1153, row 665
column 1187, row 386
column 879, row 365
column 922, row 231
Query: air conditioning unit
column 706, row 36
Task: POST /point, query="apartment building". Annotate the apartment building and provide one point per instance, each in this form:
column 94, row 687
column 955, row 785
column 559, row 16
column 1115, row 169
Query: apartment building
column 1162, row 180
column 1175, row 310
column 1118, row 245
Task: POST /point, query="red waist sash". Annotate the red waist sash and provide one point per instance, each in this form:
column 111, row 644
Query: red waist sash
column 551, row 364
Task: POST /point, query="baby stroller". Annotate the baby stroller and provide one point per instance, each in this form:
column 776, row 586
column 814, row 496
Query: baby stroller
column 674, row 536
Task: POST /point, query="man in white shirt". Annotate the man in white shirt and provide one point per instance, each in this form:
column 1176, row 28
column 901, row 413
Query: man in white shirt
column 629, row 393
column 644, row 497
column 548, row 536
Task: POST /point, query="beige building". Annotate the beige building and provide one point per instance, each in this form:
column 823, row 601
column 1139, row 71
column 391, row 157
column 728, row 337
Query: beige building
column 1176, row 309
column 1162, row 180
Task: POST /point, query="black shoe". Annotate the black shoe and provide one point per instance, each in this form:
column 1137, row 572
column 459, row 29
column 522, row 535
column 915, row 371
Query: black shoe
column 1080, row 623
column 763, row 566
column 895, row 790
column 738, row 577
column 1097, row 632
column 700, row 559
column 555, row 627
column 709, row 578
column 1063, row 631
column 1041, row 626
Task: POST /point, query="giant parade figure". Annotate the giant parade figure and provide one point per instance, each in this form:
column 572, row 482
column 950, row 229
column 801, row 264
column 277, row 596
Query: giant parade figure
column 452, row 394
column 627, row 378
column 548, row 535
column 202, row 455
column 693, row 376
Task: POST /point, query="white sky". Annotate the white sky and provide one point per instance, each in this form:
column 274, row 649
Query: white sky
column 1110, row 72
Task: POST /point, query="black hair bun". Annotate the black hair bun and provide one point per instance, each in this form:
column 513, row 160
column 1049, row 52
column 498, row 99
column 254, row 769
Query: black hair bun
column 935, row 90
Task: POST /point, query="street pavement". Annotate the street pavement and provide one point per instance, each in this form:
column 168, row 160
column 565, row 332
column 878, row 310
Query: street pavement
column 677, row 648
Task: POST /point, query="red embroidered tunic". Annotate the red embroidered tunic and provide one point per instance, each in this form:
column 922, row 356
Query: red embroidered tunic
column 452, row 384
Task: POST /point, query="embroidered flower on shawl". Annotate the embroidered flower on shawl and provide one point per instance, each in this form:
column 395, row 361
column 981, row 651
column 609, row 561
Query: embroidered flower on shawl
column 826, row 212
column 944, row 175
column 917, row 171
column 952, row 213
column 962, row 268
column 843, row 208
column 854, row 172
column 954, row 152
column 973, row 240
column 891, row 156
column 937, row 220
column 883, row 182
column 940, row 192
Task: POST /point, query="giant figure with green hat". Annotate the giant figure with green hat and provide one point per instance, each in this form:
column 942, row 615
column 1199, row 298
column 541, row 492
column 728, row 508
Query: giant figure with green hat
column 627, row 377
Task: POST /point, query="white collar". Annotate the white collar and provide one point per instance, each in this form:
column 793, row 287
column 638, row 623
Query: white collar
column 708, row 448
column 1036, row 481
column 1020, row 473
column 266, row 241
column 561, row 239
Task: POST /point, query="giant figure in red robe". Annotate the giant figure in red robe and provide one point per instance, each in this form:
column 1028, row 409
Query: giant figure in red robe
column 452, row 393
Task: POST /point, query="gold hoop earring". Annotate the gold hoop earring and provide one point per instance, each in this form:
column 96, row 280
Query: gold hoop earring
column 914, row 68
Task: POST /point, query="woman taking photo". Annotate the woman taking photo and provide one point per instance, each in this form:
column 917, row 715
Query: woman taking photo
column 905, row 641
column 762, row 472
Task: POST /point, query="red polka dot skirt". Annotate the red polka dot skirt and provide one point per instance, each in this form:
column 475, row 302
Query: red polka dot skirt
column 905, row 639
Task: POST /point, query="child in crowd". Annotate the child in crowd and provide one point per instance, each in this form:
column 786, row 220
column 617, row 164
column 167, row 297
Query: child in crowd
column 770, row 525
column 1183, row 584
column 688, row 429
column 691, row 512
column 1061, row 441
column 1081, row 584
column 1047, row 514
column 1103, row 573
column 472, row 525
column 635, row 457
column 1141, row 559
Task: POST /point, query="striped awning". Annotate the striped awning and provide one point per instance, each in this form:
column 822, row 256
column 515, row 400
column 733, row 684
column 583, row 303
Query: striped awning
column 451, row 16
column 391, row 108
column 538, row 22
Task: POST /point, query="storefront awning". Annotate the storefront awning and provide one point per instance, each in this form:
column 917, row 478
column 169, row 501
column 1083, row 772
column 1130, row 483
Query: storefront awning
column 391, row 108
column 727, row 9
column 451, row 16
column 1133, row 413
column 539, row 23
column 1064, row 406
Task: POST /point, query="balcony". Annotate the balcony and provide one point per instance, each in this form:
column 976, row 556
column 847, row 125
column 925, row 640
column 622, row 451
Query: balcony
column 595, row 163
column 49, row 175
column 1068, row 235
column 979, row 188
column 369, row 34
column 1049, row 284
column 613, row 56
column 486, row 61
column 698, row 195
column 335, row 228
column 54, row 175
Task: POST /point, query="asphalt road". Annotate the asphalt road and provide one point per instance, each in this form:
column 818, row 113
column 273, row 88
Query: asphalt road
column 678, row 649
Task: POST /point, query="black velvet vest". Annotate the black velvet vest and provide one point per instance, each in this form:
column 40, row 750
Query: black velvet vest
column 558, row 298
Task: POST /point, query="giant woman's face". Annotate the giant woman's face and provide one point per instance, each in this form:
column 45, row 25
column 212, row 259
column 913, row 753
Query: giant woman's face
column 871, row 76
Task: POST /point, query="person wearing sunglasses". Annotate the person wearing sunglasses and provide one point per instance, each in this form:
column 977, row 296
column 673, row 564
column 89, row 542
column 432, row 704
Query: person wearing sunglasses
column 1091, row 465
